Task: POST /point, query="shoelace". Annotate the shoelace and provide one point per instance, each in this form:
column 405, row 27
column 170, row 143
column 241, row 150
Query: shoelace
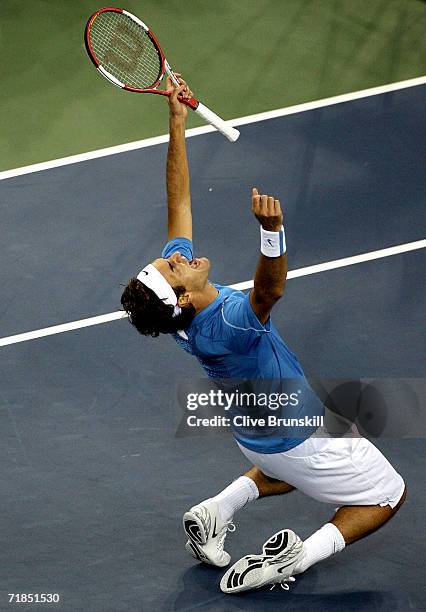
column 228, row 527
column 283, row 583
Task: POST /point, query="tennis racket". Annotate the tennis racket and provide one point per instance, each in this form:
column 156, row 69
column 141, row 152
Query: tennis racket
column 127, row 53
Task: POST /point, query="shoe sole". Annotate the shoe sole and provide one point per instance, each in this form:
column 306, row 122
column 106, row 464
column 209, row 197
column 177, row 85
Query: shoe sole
column 248, row 572
column 194, row 528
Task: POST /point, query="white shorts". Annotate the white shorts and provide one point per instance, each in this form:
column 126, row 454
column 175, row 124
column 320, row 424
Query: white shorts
column 347, row 471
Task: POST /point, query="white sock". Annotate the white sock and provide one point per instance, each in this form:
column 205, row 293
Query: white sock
column 322, row 544
column 236, row 496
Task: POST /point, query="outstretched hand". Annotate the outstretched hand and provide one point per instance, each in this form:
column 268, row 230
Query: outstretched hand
column 177, row 109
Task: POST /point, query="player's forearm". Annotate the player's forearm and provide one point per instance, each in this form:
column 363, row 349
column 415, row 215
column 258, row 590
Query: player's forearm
column 270, row 279
column 271, row 272
column 177, row 179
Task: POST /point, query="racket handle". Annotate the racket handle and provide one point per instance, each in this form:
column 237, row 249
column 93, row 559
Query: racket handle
column 210, row 117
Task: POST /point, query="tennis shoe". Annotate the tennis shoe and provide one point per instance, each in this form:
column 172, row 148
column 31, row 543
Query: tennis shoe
column 275, row 565
column 206, row 531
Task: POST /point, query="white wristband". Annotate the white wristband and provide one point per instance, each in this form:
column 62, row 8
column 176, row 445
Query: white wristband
column 272, row 244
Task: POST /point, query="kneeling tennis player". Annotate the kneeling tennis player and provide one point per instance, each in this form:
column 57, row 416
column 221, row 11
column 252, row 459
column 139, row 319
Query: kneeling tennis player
column 232, row 336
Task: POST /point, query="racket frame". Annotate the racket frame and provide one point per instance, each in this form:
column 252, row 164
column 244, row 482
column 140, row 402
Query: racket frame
column 165, row 66
column 231, row 133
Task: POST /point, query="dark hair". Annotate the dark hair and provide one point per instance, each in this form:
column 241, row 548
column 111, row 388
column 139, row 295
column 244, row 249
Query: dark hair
column 150, row 315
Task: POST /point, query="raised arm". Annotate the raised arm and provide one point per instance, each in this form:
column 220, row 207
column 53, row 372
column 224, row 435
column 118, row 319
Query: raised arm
column 177, row 174
column 271, row 272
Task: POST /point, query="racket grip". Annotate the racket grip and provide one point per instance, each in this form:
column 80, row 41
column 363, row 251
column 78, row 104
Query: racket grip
column 211, row 117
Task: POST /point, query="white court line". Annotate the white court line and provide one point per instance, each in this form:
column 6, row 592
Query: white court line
column 149, row 142
column 114, row 316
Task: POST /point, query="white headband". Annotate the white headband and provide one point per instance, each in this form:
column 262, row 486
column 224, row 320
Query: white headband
column 154, row 280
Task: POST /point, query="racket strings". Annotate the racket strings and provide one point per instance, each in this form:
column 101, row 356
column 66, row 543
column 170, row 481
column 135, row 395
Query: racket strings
column 125, row 50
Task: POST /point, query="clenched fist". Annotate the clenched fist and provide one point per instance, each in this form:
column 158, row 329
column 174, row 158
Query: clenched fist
column 267, row 211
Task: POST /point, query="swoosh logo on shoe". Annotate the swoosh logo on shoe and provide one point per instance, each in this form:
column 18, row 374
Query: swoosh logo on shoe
column 215, row 534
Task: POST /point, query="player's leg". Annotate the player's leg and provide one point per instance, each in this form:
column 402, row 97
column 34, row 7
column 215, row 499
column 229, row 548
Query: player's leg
column 349, row 524
column 207, row 523
column 357, row 522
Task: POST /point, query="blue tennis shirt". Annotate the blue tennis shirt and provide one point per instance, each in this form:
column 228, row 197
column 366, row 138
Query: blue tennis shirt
column 230, row 342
